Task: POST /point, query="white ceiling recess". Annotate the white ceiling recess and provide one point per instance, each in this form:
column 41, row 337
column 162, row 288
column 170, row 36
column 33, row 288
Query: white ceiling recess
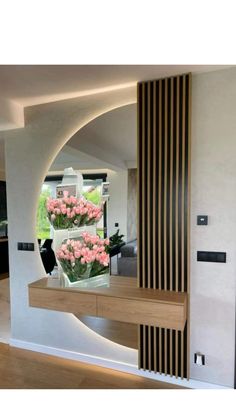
column 29, row 85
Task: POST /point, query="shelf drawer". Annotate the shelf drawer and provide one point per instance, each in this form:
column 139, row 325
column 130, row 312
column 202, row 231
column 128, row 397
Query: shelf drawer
column 63, row 301
column 172, row 316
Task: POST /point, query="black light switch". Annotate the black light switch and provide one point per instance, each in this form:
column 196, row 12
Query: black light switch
column 202, row 220
column 219, row 257
column 25, row 246
column 20, row 246
column 31, row 247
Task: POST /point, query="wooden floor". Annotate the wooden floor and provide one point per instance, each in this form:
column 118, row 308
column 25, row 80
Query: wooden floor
column 21, row 369
column 3, row 276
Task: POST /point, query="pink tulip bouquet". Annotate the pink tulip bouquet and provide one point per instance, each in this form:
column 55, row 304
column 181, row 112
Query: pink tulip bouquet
column 85, row 257
column 71, row 212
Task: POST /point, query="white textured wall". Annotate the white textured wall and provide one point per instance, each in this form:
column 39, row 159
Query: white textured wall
column 214, row 194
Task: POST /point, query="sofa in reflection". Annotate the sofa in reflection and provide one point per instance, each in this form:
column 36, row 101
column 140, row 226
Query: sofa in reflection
column 127, row 262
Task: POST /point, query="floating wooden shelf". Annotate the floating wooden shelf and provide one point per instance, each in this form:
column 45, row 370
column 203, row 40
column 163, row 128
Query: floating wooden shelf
column 122, row 301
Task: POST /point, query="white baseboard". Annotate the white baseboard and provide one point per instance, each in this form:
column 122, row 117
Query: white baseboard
column 115, row 365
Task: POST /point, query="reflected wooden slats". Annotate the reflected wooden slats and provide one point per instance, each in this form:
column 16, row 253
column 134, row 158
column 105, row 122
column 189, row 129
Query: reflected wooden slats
column 143, row 232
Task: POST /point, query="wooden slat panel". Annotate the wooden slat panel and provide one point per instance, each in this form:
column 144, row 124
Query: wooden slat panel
column 166, row 142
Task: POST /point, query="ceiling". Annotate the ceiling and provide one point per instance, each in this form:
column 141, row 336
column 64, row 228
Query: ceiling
column 29, row 85
column 111, row 138
column 108, row 141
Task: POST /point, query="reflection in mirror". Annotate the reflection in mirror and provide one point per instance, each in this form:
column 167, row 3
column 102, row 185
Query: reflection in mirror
column 104, row 152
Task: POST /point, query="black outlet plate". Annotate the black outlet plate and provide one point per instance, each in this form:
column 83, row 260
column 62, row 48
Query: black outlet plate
column 27, row 247
column 219, row 257
column 202, row 220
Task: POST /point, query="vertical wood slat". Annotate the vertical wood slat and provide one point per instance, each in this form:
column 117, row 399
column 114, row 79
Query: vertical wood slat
column 150, row 349
column 154, row 209
column 149, row 186
column 165, row 209
column 176, row 221
column 164, row 136
column 144, row 348
column 159, row 184
column 183, row 216
column 165, row 351
column 143, row 176
column 183, row 187
column 160, row 350
column 139, row 195
column 139, row 208
column 177, row 190
column 155, row 348
column 171, row 211
column 165, row 184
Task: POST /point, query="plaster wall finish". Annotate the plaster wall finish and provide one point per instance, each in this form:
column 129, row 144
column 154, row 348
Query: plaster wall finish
column 213, row 192
column 29, row 153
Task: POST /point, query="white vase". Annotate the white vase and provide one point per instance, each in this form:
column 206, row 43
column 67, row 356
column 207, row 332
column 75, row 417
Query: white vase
column 94, row 282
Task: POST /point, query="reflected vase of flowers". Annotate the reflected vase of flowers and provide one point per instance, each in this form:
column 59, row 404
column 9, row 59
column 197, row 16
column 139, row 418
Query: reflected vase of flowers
column 71, row 216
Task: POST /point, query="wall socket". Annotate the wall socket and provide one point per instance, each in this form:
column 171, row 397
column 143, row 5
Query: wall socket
column 199, row 359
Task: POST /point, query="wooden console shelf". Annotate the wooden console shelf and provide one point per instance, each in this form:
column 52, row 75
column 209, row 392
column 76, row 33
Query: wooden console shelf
column 122, row 301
